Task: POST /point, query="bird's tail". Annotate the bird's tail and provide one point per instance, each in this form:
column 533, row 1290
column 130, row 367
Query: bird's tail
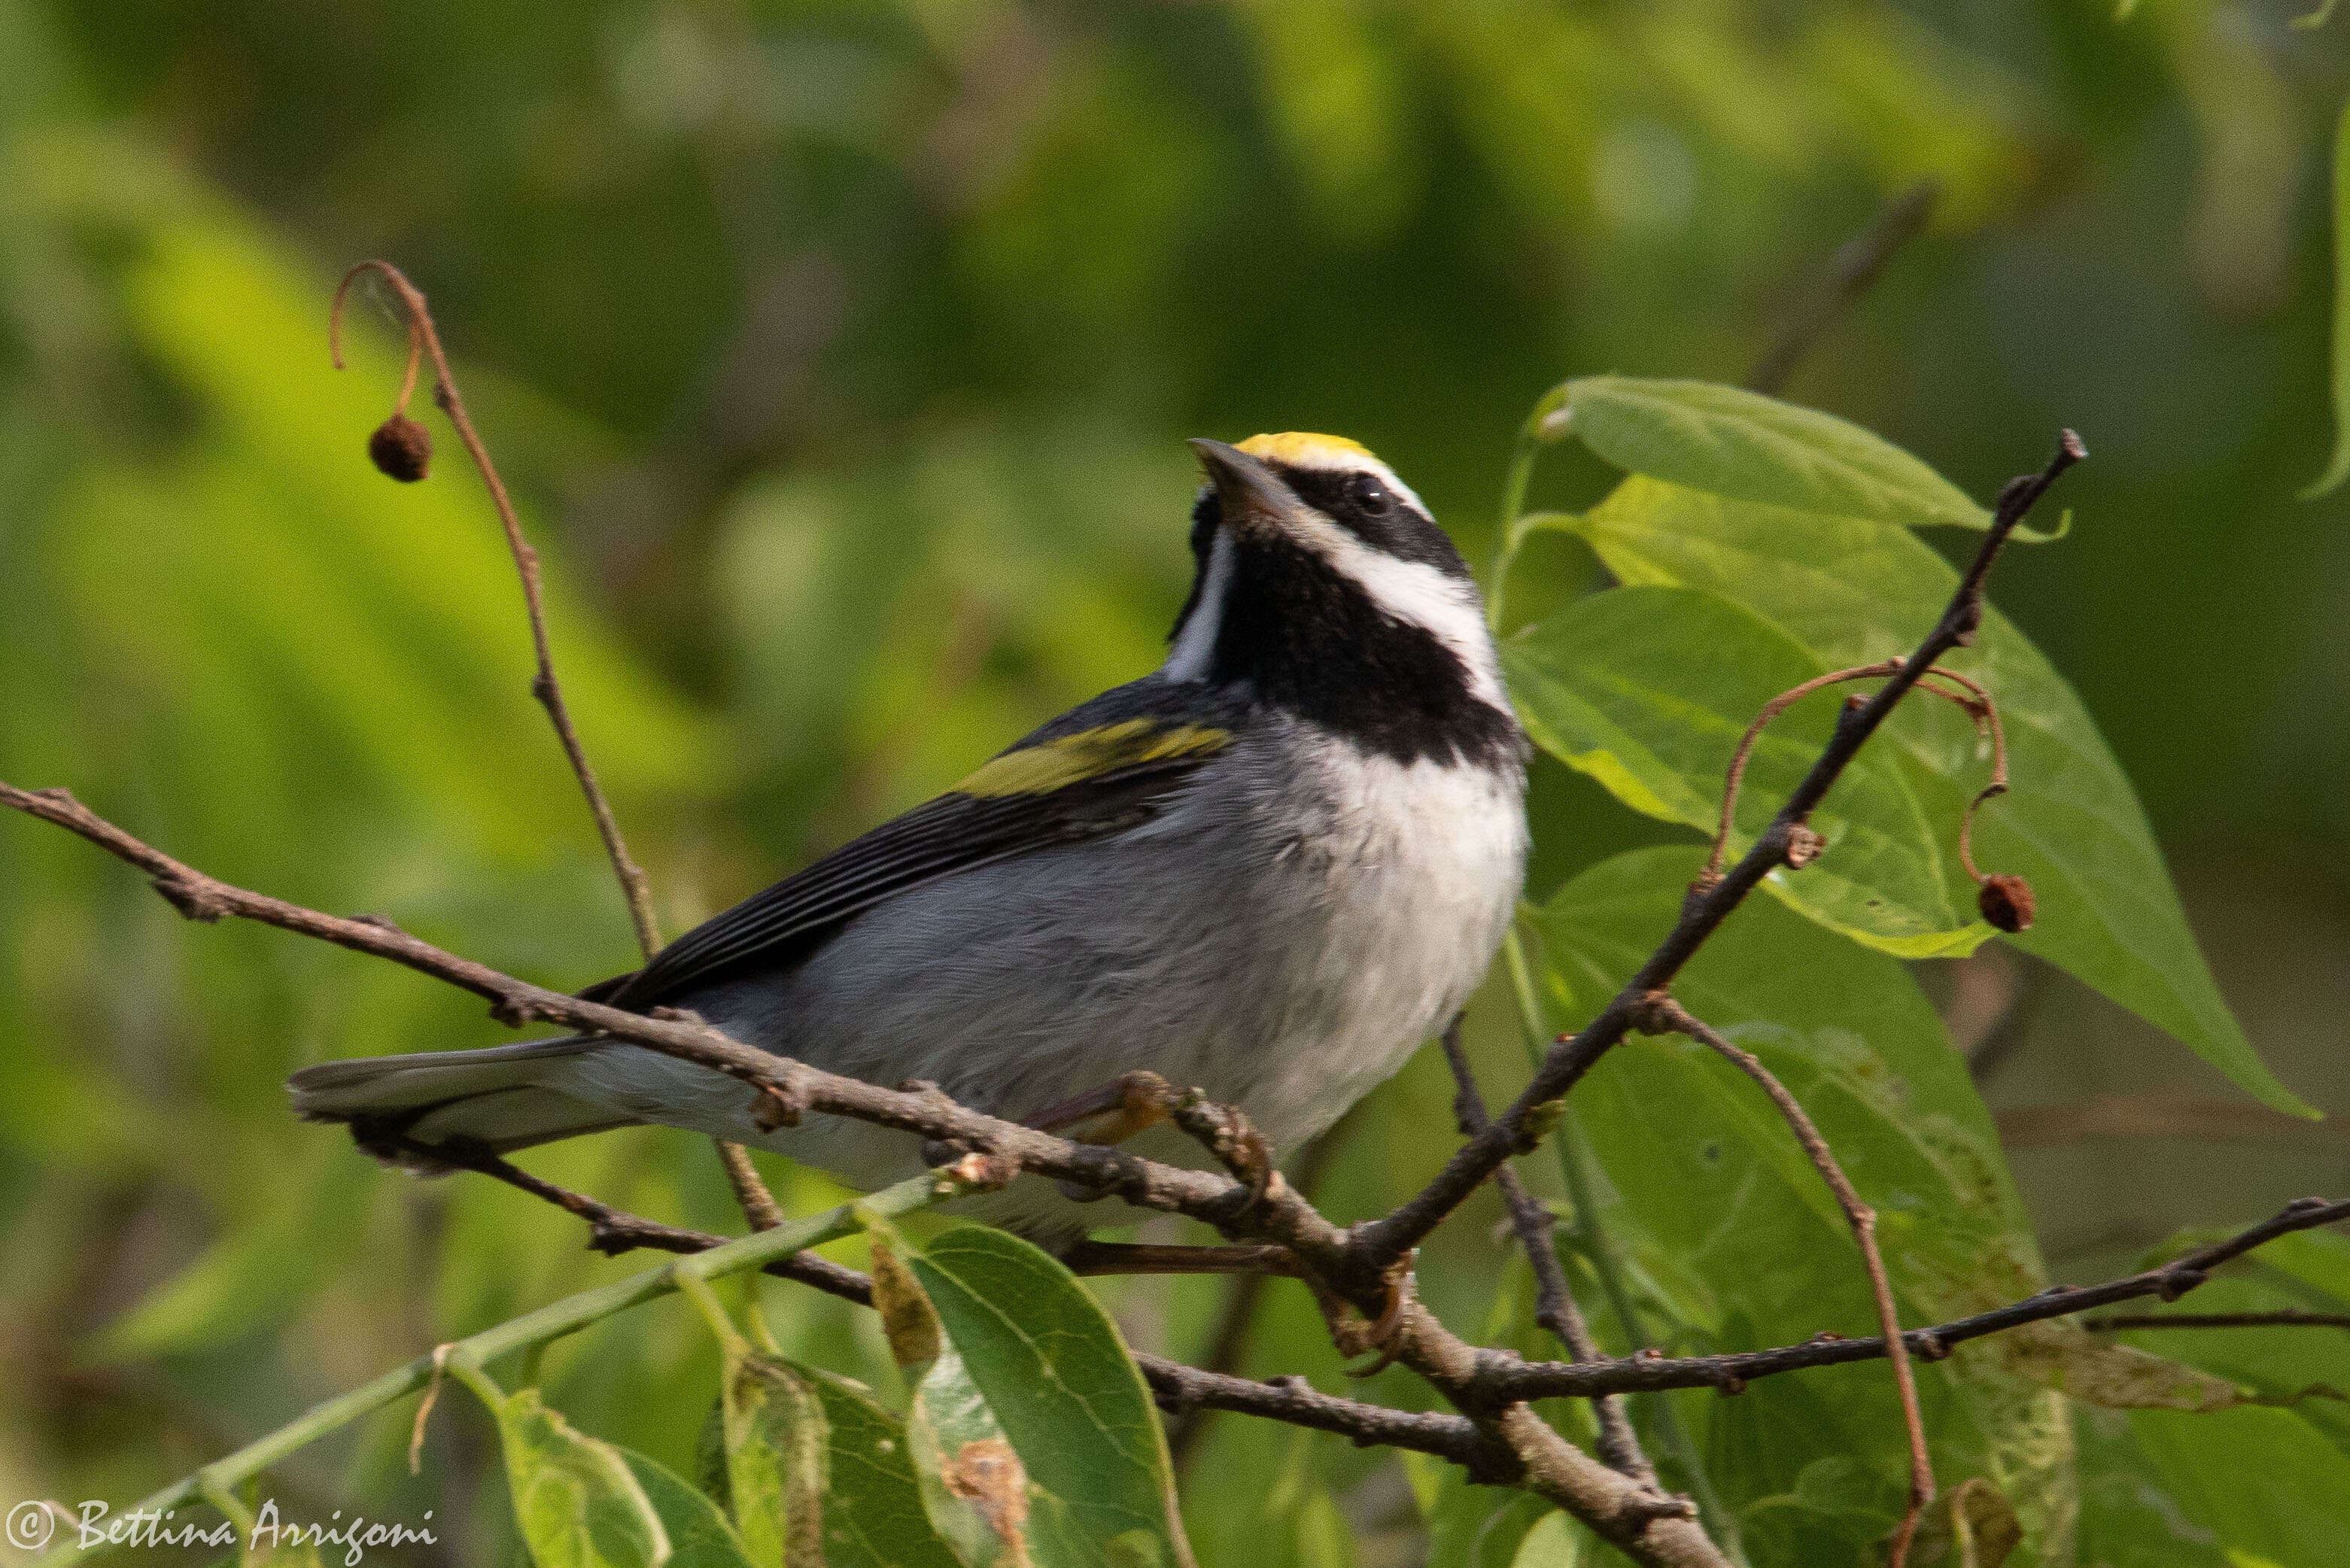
column 502, row 1098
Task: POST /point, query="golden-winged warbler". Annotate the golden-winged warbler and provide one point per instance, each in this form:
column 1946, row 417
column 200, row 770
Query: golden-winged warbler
column 1270, row 869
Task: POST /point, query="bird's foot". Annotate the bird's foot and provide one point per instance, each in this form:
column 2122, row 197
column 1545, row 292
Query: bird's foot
column 1354, row 1334
column 1111, row 1114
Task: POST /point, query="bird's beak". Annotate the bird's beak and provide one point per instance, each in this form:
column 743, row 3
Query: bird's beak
column 1252, row 493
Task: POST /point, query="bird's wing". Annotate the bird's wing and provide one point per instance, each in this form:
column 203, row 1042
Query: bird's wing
column 1089, row 773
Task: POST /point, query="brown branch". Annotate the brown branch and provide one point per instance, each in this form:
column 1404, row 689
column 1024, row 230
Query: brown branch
column 759, row 1205
column 1555, row 1303
column 1489, row 1386
column 1731, row 1373
column 1650, row 1529
column 1851, row 273
column 1378, row 1245
column 2122, row 1323
column 1667, row 1017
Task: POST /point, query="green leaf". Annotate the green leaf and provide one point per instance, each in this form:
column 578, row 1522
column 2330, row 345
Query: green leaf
column 1027, row 1410
column 776, row 1446
column 1293, row 1522
column 973, row 1489
column 873, row 1514
column 1723, row 1216
column 698, row 1535
column 1853, row 591
column 2307, row 1369
column 2339, row 469
column 1608, row 686
column 1555, row 1541
column 1481, row 1526
column 1729, row 442
column 2265, row 1482
column 577, row 1500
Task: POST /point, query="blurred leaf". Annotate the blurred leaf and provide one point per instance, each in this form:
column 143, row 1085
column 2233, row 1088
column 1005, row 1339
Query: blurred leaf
column 2305, row 1367
column 1609, row 688
column 1481, row 1526
column 1969, row 1525
column 873, row 1514
column 698, row 1535
column 1728, row 441
column 2115, row 1376
column 1338, row 100
column 1555, row 1541
column 253, row 1275
column 576, row 1500
column 776, row 1448
column 2263, row 1481
column 2339, row 469
column 1028, row 1407
column 1293, row 1522
column 1852, row 592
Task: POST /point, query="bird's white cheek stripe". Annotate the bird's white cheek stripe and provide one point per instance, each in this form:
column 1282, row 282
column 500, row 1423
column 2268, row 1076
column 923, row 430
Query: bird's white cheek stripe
column 1195, row 649
column 1419, row 595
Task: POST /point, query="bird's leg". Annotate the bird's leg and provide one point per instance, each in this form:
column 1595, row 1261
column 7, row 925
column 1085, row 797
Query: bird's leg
column 1113, row 1113
column 1133, row 1103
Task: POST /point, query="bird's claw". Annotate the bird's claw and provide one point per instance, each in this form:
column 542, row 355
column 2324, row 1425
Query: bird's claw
column 1383, row 1334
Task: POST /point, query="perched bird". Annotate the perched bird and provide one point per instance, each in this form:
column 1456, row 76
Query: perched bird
column 1270, row 869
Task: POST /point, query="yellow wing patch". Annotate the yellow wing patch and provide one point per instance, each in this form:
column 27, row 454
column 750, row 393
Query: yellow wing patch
column 1303, row 448
column 1090, row 754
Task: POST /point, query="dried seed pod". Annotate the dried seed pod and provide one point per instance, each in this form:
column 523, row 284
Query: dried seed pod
column 2005, row 901
column 1803, row 846
column 400, row 449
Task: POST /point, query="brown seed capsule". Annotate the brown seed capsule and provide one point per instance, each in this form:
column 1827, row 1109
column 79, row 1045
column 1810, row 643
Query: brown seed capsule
column 2006, row 902
column 1803, row 846
column 400, row 449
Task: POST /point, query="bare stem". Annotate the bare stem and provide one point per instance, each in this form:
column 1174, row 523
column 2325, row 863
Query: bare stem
column 759, row 1205
column 1555, row 1305
column 544, row 685
column 1850, row 274
column 1668, row 1016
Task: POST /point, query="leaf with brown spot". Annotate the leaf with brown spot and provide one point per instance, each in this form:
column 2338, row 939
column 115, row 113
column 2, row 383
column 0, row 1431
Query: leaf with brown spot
column 987, row 1474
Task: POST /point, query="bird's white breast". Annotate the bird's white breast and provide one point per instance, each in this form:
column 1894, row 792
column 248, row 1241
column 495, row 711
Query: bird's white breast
column 1404, row 893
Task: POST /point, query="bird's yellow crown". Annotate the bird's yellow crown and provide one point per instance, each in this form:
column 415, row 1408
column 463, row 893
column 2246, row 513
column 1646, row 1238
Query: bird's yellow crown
column 1303, row 448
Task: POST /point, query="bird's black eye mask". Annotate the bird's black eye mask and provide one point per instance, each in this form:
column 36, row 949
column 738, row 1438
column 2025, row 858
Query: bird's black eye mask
column 1367, row 508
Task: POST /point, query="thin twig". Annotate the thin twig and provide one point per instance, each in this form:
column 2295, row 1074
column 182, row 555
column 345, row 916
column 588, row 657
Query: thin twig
column 2124, row 1322
column 1731, row 1373
column 1850, row 274
column 544, row 685
column 1975, row 700
column 759, row 1205
column 1228, row 1341
column 1736, row 775
column 1377, row 1245
column 1555, row 1305
column 1668, row 1016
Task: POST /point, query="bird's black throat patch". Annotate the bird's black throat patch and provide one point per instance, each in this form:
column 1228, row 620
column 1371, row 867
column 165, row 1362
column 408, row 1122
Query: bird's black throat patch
column 1310, row 639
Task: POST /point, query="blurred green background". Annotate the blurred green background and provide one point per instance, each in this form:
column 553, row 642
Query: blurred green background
column 839, row 356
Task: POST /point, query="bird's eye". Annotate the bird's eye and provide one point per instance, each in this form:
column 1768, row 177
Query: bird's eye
column 1366, row 492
